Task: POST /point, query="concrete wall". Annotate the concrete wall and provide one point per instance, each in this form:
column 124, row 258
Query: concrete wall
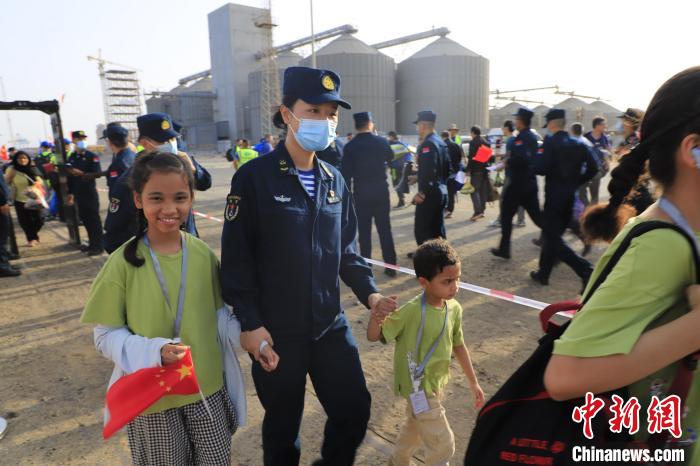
column 233, row 42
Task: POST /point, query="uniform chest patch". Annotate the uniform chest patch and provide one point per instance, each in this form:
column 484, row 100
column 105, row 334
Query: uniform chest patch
column 232, row 205
column 114, row 205
column 332, row 197
column 518, row 143
column 425, row 150
column 282, row 199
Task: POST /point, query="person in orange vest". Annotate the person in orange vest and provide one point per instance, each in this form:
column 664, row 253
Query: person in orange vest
column 3, row 153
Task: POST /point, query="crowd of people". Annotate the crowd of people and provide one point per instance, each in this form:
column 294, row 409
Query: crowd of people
column 163, row 292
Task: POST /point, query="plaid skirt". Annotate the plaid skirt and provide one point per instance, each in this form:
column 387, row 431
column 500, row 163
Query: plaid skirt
column 185, row 435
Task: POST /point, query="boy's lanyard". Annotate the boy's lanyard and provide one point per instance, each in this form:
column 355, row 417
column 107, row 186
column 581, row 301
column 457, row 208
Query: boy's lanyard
column 164, row 286
column 678, row 218
column 417, row 372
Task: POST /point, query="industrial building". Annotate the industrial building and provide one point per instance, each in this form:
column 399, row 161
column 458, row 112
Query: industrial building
column 243, row 91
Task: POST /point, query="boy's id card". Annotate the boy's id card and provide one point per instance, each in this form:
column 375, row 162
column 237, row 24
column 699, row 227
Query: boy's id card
column 419, row 402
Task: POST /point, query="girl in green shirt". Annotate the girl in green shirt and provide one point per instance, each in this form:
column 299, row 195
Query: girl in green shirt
column 156, row 296
column 645, row 317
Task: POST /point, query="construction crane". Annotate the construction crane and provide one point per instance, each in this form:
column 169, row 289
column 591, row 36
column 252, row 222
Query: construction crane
column 121, row 93
column 270, row 85
column 442, row 32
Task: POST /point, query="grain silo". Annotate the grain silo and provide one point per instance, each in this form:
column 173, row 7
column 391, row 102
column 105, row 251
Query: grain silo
column 368, row 80
column 538, row 119
column 253, row 116
column 448, row 78
column 498, row 116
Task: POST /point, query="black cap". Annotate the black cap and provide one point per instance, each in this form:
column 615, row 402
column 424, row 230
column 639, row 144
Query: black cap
column 426, row 115
column 362, row 117
column 633, row 114
column 313, row 85
column 524, row 113
column 114, row 130
column 78, row 134
column 156, row 126
column 554, row 114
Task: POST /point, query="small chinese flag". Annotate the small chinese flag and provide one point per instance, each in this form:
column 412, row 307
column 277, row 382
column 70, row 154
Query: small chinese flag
column 134, row 393
column 483, row 154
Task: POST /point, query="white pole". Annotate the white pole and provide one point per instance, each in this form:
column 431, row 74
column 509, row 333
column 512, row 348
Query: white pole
column 313, row 39
column 9, row 120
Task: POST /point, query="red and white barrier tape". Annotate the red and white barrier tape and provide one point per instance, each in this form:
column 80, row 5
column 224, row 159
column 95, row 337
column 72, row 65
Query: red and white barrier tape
column 493, row 293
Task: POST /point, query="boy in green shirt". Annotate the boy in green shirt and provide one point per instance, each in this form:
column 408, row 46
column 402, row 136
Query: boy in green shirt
column 427, row 330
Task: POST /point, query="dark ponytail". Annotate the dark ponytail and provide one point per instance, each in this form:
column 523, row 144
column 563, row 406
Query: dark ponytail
column 674, row 113
column 277, row 120
column 144, row 167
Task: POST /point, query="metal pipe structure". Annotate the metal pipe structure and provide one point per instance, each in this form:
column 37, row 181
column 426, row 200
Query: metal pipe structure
column 192, row 77
column 345, row 29
column 442, row 32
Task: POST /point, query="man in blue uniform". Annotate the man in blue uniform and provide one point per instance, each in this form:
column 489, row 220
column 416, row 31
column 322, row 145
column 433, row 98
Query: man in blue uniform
column 566, row 164
column 433, row 172
column 364, row 166
column 520, row 187
column 157, row 132
column 117, row 138
column 288, row 239
column 84, row 168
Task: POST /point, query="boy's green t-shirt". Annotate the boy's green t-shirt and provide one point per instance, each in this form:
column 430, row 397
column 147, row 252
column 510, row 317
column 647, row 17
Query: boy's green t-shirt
column 645, row 289
column 124, row 295
column 402, row 327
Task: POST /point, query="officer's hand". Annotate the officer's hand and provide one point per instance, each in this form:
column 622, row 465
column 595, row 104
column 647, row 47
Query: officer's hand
column 382, row 306
column 70, row 200
column 5, row 209
column 170, row 353
column 418, row 198
column 251, row 340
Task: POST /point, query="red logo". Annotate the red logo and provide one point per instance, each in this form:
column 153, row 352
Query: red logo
column 624, row 415
column 425, row 150
column 665, row 415
column 518, row 143
column 587, row 412
column 558, row 447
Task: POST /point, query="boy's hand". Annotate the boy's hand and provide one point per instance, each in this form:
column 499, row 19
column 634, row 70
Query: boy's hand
column 693, row 295
column 479, row 398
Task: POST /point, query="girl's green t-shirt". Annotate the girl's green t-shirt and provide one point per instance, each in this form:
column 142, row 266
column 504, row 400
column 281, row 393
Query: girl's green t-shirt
column 644, row 290
column 124, row 295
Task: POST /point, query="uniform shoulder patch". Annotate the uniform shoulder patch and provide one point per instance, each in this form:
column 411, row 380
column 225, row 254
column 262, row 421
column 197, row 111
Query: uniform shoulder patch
column 425, row 150
column 114, row 205
column 232, row 206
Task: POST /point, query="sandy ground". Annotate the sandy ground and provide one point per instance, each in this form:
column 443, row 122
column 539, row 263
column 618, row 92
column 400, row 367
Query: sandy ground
column 52, row 381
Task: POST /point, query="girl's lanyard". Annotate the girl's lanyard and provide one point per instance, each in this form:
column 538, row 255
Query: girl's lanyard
column 678, row 218
column 418, row 398
column 164, row 286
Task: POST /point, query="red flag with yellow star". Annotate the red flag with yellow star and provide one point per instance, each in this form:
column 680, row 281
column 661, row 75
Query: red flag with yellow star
column 134, row 393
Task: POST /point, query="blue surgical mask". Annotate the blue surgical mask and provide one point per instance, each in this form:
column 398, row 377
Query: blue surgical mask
column 314, row 135
column 168, row 146
column 82, row 145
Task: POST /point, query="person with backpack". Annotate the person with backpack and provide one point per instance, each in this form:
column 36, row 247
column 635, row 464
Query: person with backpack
column 636, row 327
column 427, row 331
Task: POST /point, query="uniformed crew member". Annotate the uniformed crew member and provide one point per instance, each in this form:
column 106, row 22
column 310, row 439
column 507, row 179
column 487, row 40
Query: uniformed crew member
column 433, row 172
column 117, row 139
column 520, row 188
column 84, row 168
column 456, row 154
column 288, row 238
column 364, row 167
column 157, row 132
column 566, row 164
column 401, row 166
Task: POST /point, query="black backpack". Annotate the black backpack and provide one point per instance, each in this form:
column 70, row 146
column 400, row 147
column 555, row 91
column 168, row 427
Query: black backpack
column 521, row 424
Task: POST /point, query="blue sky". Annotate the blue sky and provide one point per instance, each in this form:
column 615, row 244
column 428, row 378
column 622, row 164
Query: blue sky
column 620, row 50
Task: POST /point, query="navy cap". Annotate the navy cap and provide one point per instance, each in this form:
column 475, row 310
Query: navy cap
column 554, row 114
column 78, row 134
column 312, row 85
column 114, row 130
column 362, row 117
column 45, row 144
column 524, row 113
column 156, row 126
column 426, row 115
